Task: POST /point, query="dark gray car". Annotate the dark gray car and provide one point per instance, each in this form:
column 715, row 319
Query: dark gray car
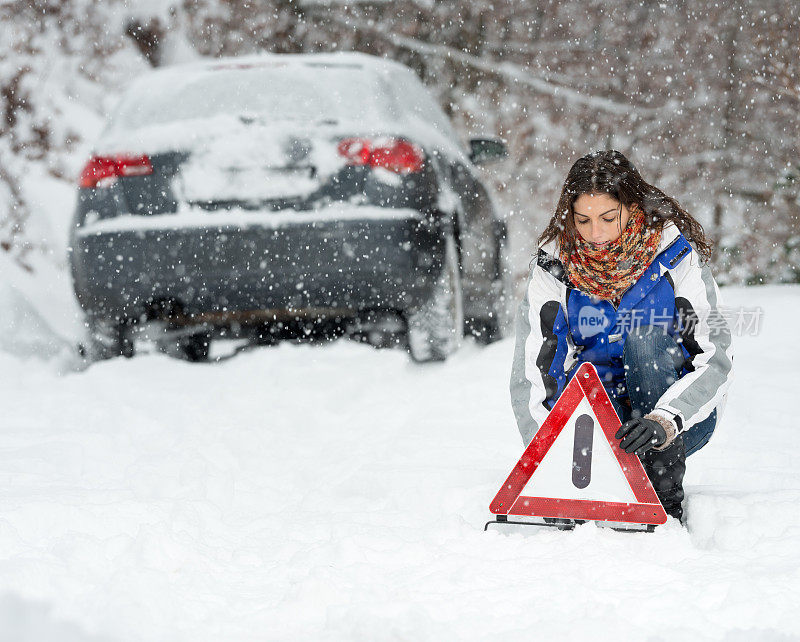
column 281, row 197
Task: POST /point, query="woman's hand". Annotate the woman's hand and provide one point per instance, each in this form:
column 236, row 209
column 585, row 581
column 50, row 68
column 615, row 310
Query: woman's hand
column 640, row 435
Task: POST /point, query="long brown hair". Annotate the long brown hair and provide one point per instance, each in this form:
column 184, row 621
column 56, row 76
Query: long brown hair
column 609, row 172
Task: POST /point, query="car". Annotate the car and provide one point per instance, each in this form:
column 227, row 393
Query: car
column 286, row 196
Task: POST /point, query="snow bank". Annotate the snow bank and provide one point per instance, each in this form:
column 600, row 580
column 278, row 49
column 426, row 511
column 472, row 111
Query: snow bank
column 38, row 314
column 339, row 493
column 23, row 330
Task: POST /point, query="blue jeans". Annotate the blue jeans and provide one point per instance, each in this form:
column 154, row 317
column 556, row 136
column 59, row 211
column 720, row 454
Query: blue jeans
column 653, row 361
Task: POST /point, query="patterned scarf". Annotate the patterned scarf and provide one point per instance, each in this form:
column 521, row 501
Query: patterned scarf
column 609, row 271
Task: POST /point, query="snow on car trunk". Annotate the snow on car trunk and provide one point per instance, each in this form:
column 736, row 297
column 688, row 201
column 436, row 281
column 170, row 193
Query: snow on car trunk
column 198, row 218
column 256, row 163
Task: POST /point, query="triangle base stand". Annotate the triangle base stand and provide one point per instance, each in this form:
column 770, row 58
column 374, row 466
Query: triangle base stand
column 566, row 524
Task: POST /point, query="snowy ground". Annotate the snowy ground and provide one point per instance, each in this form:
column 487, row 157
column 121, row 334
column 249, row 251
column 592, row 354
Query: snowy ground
column 339, row 493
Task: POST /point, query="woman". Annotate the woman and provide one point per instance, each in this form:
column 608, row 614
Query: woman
column 622, row 280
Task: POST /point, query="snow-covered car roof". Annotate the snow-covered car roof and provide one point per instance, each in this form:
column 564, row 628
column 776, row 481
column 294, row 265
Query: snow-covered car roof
column 346, row 93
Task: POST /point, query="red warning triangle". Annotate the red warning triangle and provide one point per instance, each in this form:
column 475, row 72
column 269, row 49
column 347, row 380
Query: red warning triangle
column 577, row 494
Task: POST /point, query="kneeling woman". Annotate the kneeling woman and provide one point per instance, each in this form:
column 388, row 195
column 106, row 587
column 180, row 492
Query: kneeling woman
column 622, row 281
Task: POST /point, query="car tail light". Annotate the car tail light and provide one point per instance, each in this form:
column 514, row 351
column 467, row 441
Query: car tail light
column 395, row 154
column 103, row 170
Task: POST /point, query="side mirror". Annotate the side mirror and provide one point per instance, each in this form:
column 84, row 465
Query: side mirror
column 482, row 150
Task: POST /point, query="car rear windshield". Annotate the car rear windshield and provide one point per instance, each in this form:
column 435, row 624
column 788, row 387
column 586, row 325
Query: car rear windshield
column 267, row 93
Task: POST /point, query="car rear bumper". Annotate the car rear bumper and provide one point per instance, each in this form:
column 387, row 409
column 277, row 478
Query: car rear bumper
column 241, row 265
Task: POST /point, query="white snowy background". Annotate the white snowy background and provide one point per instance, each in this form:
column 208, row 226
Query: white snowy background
column 340, row 492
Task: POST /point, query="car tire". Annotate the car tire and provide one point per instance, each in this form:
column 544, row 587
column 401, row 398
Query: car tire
column 499, row 323
column 106, row 340
column 195, row 347
column 189, row 347
column 486, row 331
column 435, row 330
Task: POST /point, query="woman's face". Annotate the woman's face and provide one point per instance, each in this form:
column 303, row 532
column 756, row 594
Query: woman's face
column 599, row 218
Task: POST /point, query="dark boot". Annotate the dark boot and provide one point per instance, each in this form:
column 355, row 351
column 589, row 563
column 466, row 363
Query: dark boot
column 652, row 363
column 665, row 469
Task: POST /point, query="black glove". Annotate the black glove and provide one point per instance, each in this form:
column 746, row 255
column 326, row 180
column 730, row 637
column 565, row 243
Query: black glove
column 640, row 435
